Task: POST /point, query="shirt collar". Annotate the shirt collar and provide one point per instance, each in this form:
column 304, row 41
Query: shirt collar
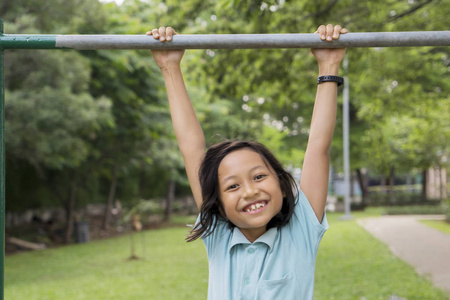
column 267, row 238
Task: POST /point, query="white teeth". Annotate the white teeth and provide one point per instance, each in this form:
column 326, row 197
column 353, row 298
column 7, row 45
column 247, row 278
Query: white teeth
column 254, row 207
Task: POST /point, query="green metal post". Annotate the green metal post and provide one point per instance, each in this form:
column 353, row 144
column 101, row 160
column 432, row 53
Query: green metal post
column 2, row 169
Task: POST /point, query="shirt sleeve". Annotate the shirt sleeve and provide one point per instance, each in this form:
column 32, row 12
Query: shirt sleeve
column 306, row 230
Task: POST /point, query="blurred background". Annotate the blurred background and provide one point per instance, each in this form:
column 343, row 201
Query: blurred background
column 90, row 150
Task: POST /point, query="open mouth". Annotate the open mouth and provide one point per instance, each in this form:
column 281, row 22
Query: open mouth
column 255, row 207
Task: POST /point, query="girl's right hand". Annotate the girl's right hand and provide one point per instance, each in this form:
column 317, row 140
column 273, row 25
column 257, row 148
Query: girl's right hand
column 165, row 58
column 329, row 56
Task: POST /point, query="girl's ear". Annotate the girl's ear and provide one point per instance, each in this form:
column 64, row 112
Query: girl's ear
column 222, row 213
column 283, row 192
column 221, row 210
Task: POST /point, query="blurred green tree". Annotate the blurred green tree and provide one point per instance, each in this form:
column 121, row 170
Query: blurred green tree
column 51, row 118
column 95, row 124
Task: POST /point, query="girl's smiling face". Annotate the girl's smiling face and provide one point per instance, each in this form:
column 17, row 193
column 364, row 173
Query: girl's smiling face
column 250, row 192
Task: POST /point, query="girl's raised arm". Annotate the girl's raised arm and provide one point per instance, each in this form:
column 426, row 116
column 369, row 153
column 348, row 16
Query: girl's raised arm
column 315, row 172
column 188, row 131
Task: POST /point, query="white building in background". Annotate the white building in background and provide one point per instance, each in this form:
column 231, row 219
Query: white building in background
column 436, row 183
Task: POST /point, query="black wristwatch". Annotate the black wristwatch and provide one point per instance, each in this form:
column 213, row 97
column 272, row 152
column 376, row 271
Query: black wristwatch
column 329, row 78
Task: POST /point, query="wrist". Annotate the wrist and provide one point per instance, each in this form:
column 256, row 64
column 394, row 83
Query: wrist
column 328, row 69
column 170, row 68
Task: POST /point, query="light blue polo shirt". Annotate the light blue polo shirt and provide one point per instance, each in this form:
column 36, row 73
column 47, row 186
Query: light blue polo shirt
column 278, row 265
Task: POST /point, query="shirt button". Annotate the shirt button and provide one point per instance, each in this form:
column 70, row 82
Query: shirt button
column 251, row 250
column 247, row 281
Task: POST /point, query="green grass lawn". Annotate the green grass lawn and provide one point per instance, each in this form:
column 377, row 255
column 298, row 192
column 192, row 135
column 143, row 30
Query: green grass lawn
column 170, row 269
column 351, row 265
column 354, row 265
column 437, row 224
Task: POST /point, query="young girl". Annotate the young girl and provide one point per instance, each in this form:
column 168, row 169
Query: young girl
column 261, row 233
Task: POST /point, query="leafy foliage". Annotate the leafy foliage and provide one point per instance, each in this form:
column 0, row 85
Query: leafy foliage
column 94, row 113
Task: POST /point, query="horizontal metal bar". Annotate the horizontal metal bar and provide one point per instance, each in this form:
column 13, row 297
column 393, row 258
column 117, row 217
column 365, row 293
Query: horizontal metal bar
column 27, row 41
column 226, row 41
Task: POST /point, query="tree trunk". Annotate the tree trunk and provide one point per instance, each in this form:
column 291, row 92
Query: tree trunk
column 169, row 200
column 424, row 184
column 70, row 210
column 442, row 185
column 111, row 196
column 363, row 184
column 391, row 184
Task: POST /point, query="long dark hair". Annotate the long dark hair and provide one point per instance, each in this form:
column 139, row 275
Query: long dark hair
column 209, row 181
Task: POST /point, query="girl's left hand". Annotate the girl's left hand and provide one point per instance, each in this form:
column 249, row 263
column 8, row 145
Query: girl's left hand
column 329, row 56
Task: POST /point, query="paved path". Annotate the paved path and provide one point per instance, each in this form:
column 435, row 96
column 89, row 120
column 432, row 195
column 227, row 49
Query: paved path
column 425, row 248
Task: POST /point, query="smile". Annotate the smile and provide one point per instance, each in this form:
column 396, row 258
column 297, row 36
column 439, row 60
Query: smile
column 255, row 207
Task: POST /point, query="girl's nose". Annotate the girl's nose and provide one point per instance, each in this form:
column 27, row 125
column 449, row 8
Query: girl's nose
column 250, row 190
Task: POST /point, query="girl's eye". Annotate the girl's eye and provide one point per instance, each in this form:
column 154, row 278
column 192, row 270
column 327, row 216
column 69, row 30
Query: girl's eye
column 259, row 177
column 231, row 187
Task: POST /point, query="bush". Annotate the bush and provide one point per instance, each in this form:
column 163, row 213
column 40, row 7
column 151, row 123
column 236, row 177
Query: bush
column 358, row 206
column 399, row 198
column 144, row 209
column 416, row 210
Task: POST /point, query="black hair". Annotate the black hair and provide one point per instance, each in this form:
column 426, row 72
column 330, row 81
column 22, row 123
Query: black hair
column 209, row 181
